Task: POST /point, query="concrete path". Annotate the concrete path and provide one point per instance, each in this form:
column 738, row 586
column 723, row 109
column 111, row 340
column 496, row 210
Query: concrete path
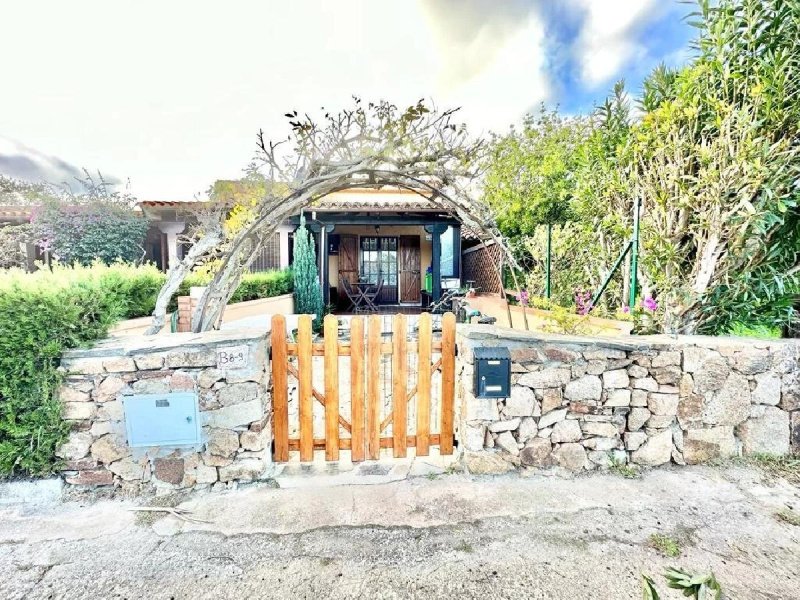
column 447, row 536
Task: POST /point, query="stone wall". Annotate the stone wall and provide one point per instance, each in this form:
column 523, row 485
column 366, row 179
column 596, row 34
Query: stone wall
column 234, row 408
column 586, row 403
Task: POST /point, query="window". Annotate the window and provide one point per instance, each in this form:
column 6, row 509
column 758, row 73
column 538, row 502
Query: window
column 379, row 260
column 450, row 250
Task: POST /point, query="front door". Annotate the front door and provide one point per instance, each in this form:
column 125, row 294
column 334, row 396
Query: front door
column 409, row 268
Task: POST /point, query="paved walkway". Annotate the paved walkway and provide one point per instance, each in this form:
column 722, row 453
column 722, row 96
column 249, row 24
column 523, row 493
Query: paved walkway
column 447, row 536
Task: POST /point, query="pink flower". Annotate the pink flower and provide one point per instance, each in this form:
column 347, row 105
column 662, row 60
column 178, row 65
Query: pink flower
column 650, row 304
column 626, row 309
column 523, row 297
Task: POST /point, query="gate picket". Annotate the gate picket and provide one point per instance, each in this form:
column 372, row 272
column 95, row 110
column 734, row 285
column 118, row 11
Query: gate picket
column 304, row 366
column 399, row 386
column 331, row 330
column 366, row 401
column 357, row 388
column 280, row 392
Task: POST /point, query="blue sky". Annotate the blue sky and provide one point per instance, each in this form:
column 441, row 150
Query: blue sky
column 170, row 95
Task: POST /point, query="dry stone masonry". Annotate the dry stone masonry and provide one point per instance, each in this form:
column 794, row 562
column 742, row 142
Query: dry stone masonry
column 227, row 370
column 587, row 403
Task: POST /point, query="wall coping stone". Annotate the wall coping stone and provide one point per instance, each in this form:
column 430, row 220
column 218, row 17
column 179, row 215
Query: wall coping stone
column 147, row 344
column 485, row 334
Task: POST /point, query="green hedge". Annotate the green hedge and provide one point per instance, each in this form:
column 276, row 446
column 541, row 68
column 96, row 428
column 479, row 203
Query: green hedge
column 41, row 315
column 47, row 312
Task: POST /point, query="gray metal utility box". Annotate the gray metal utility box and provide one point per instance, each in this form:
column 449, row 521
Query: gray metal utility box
column 492, row 372
column 162, row 419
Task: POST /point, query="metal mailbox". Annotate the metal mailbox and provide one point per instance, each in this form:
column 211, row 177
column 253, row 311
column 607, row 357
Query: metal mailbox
column 492, row 372
column 162, row 419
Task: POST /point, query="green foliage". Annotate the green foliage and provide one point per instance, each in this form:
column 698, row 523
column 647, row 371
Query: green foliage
column 754, row 330
column 307, row 290
column 665, row 545
column 699, row 587
column 97, row 224
column 41, row 315
column 264, row 285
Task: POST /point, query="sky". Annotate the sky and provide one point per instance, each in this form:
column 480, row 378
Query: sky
column 167, row 97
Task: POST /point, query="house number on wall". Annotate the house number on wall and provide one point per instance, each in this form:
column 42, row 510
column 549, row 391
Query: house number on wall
column 232, row 357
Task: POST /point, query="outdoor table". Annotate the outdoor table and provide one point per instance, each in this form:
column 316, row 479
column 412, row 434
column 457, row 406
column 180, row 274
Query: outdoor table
column 362, row 287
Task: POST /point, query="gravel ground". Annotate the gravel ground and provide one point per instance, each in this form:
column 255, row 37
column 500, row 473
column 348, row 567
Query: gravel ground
column 435, row 537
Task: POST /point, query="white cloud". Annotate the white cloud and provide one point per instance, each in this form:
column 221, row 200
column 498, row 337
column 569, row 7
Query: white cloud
column 608, row 36
column 171, row 94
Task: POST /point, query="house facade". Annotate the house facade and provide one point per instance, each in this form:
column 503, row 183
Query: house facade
column 366, row 236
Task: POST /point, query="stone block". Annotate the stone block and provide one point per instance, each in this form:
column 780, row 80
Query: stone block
column 693, row 358
column 119, row 364
column 474, row 436
column 767, row 390
column 70, row 394
column 702, row 445
column 603, row 353
column 505, row 441
column 109, row 388
column 601, row 458
column 204, row 474
column 588, row 387
column 712, row 374
column 566, row 431
column 253, row 441
column 151, row 386
column 666, row 359
column 637, row 418
column 237, row 393
column 639, row 397
column 109, row 448
column 205, row 357
column 85, row 366
column 478, row 409
column 171, row 470
column 618, row 398
column 637, row 371
column 536, row 453
column 93, row 477
column 769, row 434
column 660, row 421
column 667, row 375
column 149, row 362
column 236, row 415
column 551, row 399
column 545, row 433
column 209, row 377
column 730, row 404
column 78, row 411
column 657, row 450
column 222, row 442
column 752, row 361
column 552, row 418
column 128, row 469
column 211, row 460
column 522, row 402
column 507, row 425
column 245, row 469
column 790, row 391
column 527, row 429
column 634, row 439
column 558, row 354
column 77, row 446
column 111, row 411
column 647, row 383
column 546, row 378
column 181, row 382
column 600, row 429
column 81, row 464
column 616, row 379
column 663, row 404
column 570, row 456
column 603, row 444
column 101, row 428
column 795, row 432
column 596, row 367
column 486, row 463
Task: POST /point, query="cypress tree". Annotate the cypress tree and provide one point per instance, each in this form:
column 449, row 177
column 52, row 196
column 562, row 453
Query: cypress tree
column 307, row 290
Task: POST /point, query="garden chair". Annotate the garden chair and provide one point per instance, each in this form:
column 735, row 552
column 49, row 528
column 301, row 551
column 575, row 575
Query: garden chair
column 371, row 295
column 354, row 296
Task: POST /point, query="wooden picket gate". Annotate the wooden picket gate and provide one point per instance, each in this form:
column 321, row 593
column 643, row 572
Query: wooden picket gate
column 362, row 434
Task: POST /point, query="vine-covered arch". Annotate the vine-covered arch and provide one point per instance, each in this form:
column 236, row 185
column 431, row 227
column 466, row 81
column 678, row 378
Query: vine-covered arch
column 419, row 149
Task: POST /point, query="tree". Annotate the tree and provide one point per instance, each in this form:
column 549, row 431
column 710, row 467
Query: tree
column 307, row 290
column 417, row 148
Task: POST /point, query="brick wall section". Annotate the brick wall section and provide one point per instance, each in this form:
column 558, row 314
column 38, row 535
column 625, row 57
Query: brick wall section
column 587, row 403
column 234, row 405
